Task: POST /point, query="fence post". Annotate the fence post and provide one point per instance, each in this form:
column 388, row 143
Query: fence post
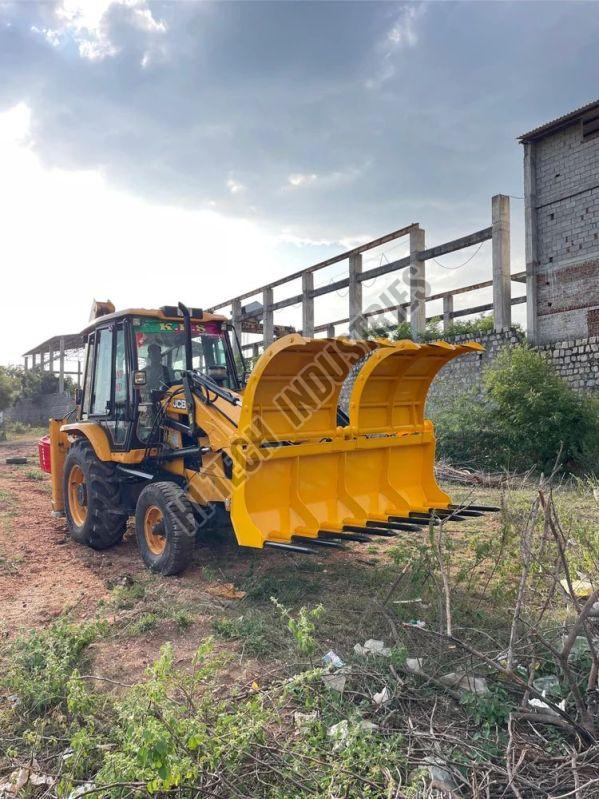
column 417, row 281
column 267, row 316
column 356, row 321
column 447, row 310
column 61, row 366
column 307, row 305
column 236, row 320
column 502, row 286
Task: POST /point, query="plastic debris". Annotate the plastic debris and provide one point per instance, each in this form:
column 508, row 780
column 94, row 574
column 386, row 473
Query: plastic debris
column 414, row 664
column 373, row 647
column 332, row 659
column 225, row 591
column 417, row 623
column 580, row 588
column 339, row 733
column 382, row 697
column 26, row 775
column 543, row 707
column 81, row 789
column 303, row 720
column 465, row 682
column 368, row 726
column 336, row 681
column 441, row 775
column 546, row 685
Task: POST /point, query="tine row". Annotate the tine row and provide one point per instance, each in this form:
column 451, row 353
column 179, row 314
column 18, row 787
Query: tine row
column 334, row 539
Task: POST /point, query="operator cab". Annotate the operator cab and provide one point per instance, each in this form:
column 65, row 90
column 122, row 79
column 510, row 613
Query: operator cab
column 134, row 356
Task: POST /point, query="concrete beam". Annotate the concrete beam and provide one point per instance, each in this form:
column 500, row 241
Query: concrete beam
column 417, row 281
column 308, row 304
column 502, row 286
column 237, row 326
column 268, row 316
column 447, row 310
column 61, row 366
column 356, row 320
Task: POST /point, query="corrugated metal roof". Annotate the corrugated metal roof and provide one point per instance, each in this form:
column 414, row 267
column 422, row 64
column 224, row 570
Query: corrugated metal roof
column 72, row 341
column 560, row 122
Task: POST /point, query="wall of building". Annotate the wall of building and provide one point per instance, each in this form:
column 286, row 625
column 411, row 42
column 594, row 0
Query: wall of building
column 567, row 214
column 38, row 411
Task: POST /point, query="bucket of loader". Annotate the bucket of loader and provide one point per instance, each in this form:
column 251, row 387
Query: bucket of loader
column 298, row 476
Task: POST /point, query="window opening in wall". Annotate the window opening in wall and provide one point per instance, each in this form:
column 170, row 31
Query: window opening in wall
column 590, row 126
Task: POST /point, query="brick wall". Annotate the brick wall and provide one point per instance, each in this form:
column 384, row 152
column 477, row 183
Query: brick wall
column 576, row 360
column 567, row 185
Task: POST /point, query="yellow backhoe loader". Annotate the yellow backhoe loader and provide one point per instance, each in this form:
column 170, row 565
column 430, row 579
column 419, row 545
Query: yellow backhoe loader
column 170, row 428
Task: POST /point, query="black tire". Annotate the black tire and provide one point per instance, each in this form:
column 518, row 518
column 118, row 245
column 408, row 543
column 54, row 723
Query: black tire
column 105, row 521
column 165, row 528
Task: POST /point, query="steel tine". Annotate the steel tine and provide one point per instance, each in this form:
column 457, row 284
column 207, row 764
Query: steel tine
column 321, row 542
column 289, row 547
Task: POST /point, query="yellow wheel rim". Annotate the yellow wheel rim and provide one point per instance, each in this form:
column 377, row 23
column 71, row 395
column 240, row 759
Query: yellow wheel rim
column 154, row 532
column 77, row 496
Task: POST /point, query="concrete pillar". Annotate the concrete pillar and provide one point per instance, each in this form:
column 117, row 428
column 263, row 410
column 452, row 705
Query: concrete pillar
column 79, row 374
column 61, row 366
column 255, row 350
column 330, row 331
column 447, row 311
column 402, row 315
column 502, row 285
column 50, row 360
column 267, row 317
column 26, row 362
column 236, row 320
column 417, row 281
column 356, row 320
column 531, row 241
column 33, row 360
column 307, row 305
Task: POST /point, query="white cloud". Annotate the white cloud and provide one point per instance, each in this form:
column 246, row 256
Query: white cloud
column 235, row 187
column 84, row 21
column 299, row 179
column 404, row 33
column 67, row 237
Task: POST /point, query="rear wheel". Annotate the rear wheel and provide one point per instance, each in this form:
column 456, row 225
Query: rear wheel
column 165, row 527
column 92, row 498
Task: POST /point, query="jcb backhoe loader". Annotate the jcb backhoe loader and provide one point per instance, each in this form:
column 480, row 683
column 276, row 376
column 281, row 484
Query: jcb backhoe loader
column 170, row 429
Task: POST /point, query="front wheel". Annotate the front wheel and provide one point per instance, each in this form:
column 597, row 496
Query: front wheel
column 165, row 527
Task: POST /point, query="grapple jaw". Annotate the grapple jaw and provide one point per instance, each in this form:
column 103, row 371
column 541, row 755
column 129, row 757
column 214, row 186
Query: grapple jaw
column 298, row 475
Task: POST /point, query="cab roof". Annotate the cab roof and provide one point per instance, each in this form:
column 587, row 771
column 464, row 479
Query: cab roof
column 169, row 314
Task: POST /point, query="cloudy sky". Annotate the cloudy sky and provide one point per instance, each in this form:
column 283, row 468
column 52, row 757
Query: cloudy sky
column 157, row 151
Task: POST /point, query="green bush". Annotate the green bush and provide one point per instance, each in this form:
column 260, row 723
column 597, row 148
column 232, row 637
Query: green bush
column 42, row 661
column 433, row 331
column 524, row 415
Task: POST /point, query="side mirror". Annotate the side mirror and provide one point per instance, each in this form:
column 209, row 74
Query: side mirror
column 139, row 378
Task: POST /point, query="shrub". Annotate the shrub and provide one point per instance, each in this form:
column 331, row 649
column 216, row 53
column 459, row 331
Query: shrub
column 42, row 661
column 433, row 330
column 524, row 415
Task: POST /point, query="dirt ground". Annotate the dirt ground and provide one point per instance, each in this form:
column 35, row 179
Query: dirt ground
column 45, row 575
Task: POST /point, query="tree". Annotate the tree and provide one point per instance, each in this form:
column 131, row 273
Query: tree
column 9, row 388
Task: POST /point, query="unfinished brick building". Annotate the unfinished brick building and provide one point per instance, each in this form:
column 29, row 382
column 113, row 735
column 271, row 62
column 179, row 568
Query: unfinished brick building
column 561, row 188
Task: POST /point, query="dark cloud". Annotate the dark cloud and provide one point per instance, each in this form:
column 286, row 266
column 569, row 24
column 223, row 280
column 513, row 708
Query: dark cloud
column 401, row 112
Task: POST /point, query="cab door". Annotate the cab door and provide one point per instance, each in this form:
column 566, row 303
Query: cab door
column 107, row 399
